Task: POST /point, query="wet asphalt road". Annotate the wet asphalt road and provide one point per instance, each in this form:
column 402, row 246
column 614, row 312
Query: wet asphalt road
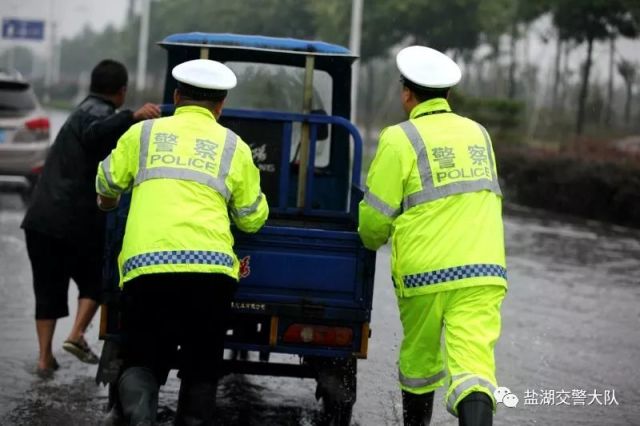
column 571, row 333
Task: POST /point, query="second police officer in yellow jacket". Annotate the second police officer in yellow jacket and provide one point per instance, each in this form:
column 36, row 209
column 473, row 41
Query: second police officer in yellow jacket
column 189, row 177
column 433, row 190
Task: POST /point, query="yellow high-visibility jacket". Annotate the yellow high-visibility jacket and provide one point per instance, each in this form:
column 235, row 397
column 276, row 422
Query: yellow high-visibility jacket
column 188, row 174
column 433, row 188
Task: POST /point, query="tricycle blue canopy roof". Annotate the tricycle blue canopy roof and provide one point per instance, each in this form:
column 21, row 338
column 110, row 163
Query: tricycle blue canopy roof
column 256, row 42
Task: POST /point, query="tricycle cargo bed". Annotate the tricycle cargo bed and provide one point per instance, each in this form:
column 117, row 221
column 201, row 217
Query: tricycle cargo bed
column 304, row 266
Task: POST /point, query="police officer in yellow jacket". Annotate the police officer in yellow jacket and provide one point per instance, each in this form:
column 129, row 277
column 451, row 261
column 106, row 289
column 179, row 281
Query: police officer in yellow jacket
column 188, row 175
column 433, row 189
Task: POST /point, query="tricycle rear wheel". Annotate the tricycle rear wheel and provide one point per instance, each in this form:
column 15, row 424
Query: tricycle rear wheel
column 114, row 411
column 336, row 413
column 337, row 383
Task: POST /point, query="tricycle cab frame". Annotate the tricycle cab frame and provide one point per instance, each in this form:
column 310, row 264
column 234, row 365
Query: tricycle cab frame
column 335, row 60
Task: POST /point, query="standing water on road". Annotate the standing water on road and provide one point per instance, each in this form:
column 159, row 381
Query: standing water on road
column 569, row 351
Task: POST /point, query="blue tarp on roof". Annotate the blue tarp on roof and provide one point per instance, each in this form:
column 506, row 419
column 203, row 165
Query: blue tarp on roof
column 257, row 42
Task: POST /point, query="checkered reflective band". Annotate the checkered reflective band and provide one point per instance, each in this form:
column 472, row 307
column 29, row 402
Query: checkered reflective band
column 455, row 273
column 198, row 257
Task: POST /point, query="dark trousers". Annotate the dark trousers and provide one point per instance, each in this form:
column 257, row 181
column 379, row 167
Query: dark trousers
column 165, row 311
column 54, row 261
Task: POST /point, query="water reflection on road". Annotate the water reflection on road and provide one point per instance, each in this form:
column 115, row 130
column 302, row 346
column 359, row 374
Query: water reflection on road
column 571, row 322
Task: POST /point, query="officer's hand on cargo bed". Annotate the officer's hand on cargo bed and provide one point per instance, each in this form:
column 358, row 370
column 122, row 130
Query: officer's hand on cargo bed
column 146, row 112
column 107, row 203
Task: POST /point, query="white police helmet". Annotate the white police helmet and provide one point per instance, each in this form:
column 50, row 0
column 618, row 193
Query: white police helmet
column 428, row 68
column 205, row 74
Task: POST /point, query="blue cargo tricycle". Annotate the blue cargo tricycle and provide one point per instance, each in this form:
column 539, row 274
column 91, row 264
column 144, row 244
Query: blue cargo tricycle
column 306, row 284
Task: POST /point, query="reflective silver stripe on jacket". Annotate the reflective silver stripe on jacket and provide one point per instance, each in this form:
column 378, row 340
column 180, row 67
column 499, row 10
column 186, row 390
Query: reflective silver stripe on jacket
column 382, row 207
column 246, row 211
column 487, row 141
column 217, row 183
column 184, row 174
column 421, row 382
column 230, row 143
column 145, row 136
column 429, row 191
column 107, row 176
column 464, row 386
column 101, row 188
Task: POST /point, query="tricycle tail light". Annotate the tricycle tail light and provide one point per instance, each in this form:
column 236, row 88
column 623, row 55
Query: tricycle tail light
column 319, row 335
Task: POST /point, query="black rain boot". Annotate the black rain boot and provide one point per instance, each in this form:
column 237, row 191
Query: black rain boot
column 138, row 391
column 196, row 403
column 417, row 409
column 476, row 409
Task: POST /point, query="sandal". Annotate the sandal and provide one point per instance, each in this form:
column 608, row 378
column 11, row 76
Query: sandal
column 81, row 350
column 47, row 373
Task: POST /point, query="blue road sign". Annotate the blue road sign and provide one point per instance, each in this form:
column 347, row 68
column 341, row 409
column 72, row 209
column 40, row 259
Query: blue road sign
column 14, row 28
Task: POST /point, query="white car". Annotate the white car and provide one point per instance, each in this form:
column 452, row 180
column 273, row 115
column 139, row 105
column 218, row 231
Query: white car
column 24, row 131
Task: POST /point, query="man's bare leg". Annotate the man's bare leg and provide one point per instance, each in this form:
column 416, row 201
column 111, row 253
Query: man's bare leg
column 86, row 310
column 45, row 329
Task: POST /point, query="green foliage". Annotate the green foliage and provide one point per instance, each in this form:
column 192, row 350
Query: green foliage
column 382, row 28
column 590, row 20
column 608, row 191
column 280, row 18
column 382, row 25
column 530, row 10
column 332, row 20
column 453, row 24
column 628, row 71
column 285, row 18
column 456, row 24
column 494, row 113
column 290, row 18
column 495, row 17
column 583, row 20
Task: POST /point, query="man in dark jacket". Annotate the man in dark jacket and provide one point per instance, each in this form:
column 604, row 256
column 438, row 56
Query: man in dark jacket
column 63, row 227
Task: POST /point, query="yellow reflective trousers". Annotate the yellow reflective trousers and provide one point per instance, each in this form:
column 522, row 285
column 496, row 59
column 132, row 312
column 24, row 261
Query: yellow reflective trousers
column 470, row 319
